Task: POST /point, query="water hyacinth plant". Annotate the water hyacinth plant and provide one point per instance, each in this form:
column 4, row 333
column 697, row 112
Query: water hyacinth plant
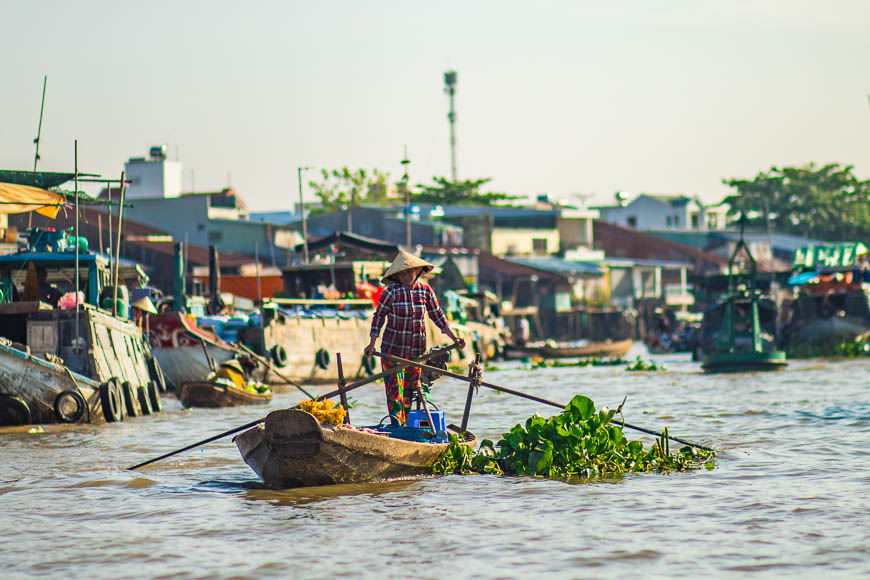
column 640, row 365
column 578, row 443
column 596, row 362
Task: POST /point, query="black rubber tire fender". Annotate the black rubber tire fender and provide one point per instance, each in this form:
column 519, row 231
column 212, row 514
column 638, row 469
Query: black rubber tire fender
column 156, row 374
column 61, row 414
column 14, row 411
column 321, row 358
column 144, row 399
column 129, row 401
column 279, row 355
column 154, row 395
column 112, row 401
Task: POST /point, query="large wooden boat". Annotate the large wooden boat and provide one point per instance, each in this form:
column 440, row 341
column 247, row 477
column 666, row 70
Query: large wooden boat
column 298, row 335
column 616, row 348
column 292, row 449
column 56, row 357
column 218, row 394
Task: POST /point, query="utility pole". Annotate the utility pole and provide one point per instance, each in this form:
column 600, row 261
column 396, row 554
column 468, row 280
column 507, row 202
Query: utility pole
column 450, row 89
column 405, row 163
column 302, row 209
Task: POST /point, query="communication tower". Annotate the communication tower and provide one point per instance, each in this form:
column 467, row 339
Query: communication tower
column 450, row 89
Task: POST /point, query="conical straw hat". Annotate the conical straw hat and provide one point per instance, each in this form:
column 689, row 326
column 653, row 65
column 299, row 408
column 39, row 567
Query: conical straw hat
column 405, row 261
column 145, row 305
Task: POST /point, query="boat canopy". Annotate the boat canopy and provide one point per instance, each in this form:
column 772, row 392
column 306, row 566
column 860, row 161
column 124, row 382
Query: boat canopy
column 23, row 198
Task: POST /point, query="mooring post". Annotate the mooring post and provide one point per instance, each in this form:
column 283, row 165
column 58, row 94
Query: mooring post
column 342, row 393
column 475, row 375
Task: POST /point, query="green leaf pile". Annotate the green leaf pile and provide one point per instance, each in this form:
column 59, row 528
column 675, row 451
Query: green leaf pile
column 578, row 443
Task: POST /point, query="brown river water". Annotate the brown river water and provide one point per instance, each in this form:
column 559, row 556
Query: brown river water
column 790, row 495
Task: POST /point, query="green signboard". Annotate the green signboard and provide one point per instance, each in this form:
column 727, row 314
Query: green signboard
column 831, row 255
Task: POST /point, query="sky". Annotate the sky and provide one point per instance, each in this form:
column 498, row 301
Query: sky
column 571, row 98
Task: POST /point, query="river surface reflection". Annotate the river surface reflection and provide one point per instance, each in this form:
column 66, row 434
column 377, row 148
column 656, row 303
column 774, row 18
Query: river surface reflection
column 788, row 496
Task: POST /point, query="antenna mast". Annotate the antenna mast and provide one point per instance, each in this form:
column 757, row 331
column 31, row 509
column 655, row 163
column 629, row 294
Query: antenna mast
column 450, row 89
column 39, row 130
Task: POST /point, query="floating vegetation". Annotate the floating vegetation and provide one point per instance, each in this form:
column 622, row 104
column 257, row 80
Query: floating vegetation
column 584, row 362
column 579, row 442
column 641, row 365
column 848, row 349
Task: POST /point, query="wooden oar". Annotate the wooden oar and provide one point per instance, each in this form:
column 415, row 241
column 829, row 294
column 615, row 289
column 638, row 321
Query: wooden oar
column 531, row 397
column 329, row 395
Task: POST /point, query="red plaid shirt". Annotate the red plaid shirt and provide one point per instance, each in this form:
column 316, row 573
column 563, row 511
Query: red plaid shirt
column 404, row 310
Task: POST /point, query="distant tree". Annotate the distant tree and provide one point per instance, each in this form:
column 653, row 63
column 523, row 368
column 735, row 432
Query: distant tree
column 343, row 188
column 446, row 192
column 826, row 203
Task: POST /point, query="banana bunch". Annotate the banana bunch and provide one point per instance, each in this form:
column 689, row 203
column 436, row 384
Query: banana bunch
column 324, row 411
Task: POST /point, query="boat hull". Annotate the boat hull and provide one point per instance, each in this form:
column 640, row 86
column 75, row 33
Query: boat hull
column 31, row 388
column 177, row 344
column 212, row 394
column 292, row 449
column 615, row 348
column 736, row 362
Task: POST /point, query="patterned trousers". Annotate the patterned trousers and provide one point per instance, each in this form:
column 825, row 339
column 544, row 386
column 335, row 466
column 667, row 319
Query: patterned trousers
column 399, row 388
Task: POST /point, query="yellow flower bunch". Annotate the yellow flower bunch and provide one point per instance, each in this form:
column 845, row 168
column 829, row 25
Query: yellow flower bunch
column 324, row 411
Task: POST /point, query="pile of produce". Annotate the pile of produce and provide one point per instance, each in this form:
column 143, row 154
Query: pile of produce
column 578, row 443
column 324, row 411
column 255, row 387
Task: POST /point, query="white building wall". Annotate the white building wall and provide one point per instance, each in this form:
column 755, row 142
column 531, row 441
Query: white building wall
column 521, row 240
column 153, row 178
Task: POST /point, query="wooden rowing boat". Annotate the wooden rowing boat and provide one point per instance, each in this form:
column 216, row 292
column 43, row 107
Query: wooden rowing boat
column 218, row 394
column 292, row 449
column 608, row 348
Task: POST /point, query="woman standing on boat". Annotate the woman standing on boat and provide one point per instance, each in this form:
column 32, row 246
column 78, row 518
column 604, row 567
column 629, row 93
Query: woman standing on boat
column 403, row 306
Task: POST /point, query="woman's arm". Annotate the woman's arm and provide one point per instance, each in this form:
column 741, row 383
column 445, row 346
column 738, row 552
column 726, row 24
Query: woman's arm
column 437, row 316
column 385, row 306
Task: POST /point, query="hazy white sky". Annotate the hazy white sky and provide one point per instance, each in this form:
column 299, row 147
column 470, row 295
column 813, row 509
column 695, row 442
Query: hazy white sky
column 563, row 97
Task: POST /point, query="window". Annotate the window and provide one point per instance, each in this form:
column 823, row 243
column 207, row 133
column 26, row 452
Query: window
column 676, row 221
column 215, row 236
column 539, row 245
column 696, row 221
column 668, row 221
column 631, row 221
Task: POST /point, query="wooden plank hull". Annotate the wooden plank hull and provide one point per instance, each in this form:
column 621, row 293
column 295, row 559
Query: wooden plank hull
column 212, row 394
column 292, row 449
column 616, row 348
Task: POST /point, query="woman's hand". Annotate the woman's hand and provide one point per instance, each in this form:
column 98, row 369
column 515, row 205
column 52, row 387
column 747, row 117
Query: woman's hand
column 459, row 341
column 369, row 349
